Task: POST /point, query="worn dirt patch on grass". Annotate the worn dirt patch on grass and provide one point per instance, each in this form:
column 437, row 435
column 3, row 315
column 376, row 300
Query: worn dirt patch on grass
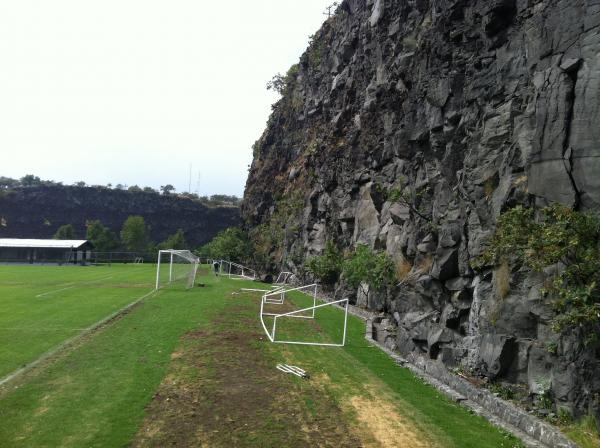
column 223, row 390
column 387, row 428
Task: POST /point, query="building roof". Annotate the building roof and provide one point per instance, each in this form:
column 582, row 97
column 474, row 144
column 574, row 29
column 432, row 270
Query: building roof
column 46, row 244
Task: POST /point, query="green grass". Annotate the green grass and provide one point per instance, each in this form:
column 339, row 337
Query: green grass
column 585, row 432
column 42, row 306
column 350, row 367
column 95, row 394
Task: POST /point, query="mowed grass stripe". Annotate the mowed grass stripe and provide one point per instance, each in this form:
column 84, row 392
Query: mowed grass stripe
column 30, row 326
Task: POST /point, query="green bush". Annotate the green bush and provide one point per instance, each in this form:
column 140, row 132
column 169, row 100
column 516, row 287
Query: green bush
column 376, row 269
column 326, row 267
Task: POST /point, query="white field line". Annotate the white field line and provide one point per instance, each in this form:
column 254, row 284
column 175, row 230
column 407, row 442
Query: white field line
column 94, row 280
column 68, row 342
column 73, row 285
column 55, row 290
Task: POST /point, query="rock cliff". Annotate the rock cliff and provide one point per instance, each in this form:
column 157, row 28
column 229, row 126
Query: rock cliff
column 471, row 108
column 37, row 212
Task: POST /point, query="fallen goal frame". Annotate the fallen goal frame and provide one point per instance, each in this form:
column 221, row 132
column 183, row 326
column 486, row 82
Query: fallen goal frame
column 278, row 297
column 182, row 254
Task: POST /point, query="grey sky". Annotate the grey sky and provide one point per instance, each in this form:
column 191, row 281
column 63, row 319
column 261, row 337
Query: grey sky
column 132, row 91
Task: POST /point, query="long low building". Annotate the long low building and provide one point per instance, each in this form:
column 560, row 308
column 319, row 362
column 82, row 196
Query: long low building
column 22, row 250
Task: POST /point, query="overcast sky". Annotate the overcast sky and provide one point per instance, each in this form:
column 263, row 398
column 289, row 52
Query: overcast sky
column 133, row 91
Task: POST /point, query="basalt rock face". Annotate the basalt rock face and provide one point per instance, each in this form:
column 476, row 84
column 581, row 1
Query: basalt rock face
column 37, row 212
column 467, row 108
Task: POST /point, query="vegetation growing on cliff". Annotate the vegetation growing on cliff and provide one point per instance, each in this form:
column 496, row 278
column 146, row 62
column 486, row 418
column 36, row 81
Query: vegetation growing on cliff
column 362, row 267
column 365, row 266
column 270, row 238
column 566, row 245
column 327, row 267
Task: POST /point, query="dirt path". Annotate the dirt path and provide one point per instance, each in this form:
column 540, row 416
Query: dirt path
column 223, row 390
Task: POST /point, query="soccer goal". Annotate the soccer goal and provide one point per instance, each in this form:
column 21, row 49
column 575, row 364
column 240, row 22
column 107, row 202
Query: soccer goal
column 176, row 266
column 236, row 271
column 280, row 297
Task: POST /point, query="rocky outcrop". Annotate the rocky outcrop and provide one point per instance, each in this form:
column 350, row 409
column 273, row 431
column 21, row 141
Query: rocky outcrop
column 466, row 109
column 37, row 212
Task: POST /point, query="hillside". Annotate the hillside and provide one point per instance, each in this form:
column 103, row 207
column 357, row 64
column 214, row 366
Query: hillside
column 38, row 211
column 471, row 107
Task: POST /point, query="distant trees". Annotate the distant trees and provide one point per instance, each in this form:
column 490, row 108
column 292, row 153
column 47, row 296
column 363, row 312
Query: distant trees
column 103, row 239
column 167, row 189
column 29, row 180
column 65, row 232
column 7, row 182
column 135, row 235
column 230, row 244
column 175, row 241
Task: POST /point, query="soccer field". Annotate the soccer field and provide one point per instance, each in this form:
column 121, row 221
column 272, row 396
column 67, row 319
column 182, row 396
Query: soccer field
column 194, row 368
column 42, row 306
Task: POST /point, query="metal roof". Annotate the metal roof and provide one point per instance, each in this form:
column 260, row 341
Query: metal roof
column 47, row 244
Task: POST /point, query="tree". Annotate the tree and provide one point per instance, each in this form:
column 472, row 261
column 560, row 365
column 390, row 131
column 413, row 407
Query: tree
column 167, row 189
column 103, row 239
column 231, row 244
column 65, row 232
column 80, row 184
column 134, row 188
column 135, row 234
column 364, row 266
column 280, row 83
column 175, row 241
column 29, row 180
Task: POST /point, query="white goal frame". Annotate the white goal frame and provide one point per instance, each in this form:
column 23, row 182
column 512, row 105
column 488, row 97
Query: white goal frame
column 186, row 255
column 284, row 277
column 225, row 268
column 277, row 297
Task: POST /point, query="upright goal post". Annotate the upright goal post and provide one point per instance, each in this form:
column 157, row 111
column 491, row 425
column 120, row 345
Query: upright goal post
column 182, row 264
